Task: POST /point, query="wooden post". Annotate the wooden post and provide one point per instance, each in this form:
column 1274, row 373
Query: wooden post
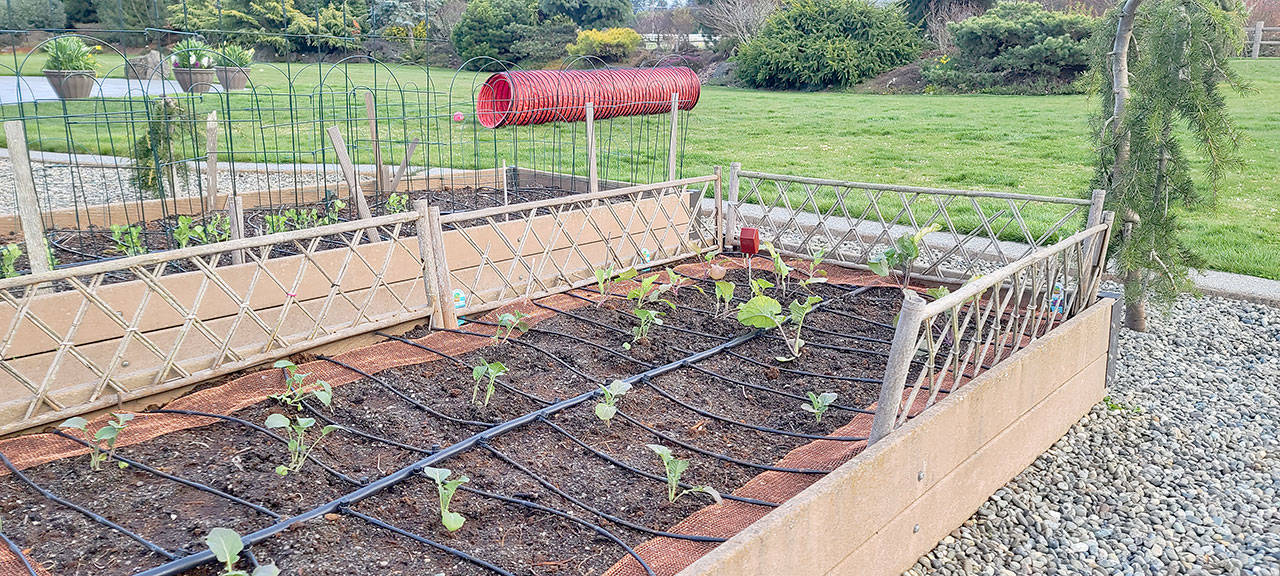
column 235, row 205
column 379, row 182
column 720, row 238
column 1095, row 217
column 593, row 180
column 353, row 180
column 211, row 162
column 444, row 287
column 28, row 205
column 901, row 352
column 404, row 165
column 430, row 279
column 1257, row 39
column 731, row 211
column 675, row 129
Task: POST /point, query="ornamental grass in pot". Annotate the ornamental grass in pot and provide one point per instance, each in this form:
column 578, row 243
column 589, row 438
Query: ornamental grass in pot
column 235, row 61
column 193, row 66
column 71, row 67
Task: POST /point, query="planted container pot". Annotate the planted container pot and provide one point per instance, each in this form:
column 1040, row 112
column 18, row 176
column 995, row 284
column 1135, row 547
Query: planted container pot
column 234, row 63
column 70, row 67
column 71, row 84
column 232, row 77
column 193, row 66
column 197, row 80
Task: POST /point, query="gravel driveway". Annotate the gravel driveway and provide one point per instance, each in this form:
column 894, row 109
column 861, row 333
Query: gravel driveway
column 1181, row 475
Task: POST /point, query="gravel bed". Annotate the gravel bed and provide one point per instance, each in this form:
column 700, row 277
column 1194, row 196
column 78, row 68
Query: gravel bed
column 61, row 186
column 1180, row 474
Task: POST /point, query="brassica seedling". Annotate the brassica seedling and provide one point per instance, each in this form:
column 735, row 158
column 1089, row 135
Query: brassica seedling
column 818, row 404
column 781, row 270
column 606, row 279
column 648, row 319
column 489, row 370
column 509, row 322
column 128, row 239
column 296, row 390
column 759, row 285
column 724, row 296
column 608, row 405
column 9, row 260
column 764, row 312
column 298, row 431
column 397, row 203
column 226, row 545
column 452, row 520
column 104, row 440
column 901, row 254
column 674, row 468
column 812, row 274
column 649, row 291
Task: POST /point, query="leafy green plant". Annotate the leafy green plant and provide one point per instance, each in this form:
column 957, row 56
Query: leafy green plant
column 818, row 404
column 812, row 274
column 296, row 390
column 9, row 260
column 674, row 468
column 185, row 231
column 333, row 212
column 648, row 291
column 302, row 218
column 764, row 312
column 488, row 372
column 69, row 53
column 902, row 254
column 226, row 545
column 781, row 270
column 606, row 279
column 610, row 45
column 276, row 223
column 128, row 239
column 447, row 488
column 648, row 319
column 608, row 405
column 300, row 442
column 235, row 55
column 759, row 285
column 724, row 297
column 397, row 203
column 192, row 53
column 217, row 230
column 159, row 154
column 509, row 322
column 104, row 440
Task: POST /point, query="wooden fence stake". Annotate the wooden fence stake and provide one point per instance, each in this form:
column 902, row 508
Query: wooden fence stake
column 211, row 166
column 235, row 205
column 1257, row 40
column 444, row 287
column 404, row 165
column 1093, row 219
column 430, row 279
column 353, row 181
column 379, row 180
column 593, row 179
column 720, row 238
column 901, row 352
column 28, row 205
column 731, row 211
column 675, row 129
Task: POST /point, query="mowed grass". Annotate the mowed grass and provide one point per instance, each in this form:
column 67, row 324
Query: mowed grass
column 1029, row 144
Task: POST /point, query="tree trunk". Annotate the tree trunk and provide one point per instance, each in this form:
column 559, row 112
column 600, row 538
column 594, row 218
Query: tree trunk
column 1135, row 306
column 1135, row 317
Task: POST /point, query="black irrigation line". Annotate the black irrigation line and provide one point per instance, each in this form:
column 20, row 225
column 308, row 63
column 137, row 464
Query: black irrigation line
column 676, row 328
column 806, row 373
column 770, row 390
column 715, row 455
column 589, row 508
column 422, row 540
column 406, row 397
column 184, row 481
column 85, row 511
column 441, row 354
column 662, row 479
column 579, row 340
column 721, row 418
column 366, row 435
column 557, row 359
column 18, row 552
column 273, row 435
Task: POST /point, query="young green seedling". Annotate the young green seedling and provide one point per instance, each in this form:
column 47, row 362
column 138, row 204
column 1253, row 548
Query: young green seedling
column 606, row 279
column 104, row 440
column 608, row 405
column 217, row 230
column 276, row 223
column 397, row 203
column 489, row 371
column 818, row 404
column 781, row 271
column 812, row 274
column 9, row 260
column 648, row 291
column 128, row 239
column 452, row 520
column 724, row 297
column 509, row 322
column 333, row 212
column 764, row 312
column 759, row 285
column 674, row 468
column 296, row 389
column 300, row 444
column 902, row 254
column 183, row 233
column 226, row 545
column 648, row 319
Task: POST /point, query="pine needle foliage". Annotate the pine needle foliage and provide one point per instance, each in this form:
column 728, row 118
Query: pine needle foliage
column 1179, row 63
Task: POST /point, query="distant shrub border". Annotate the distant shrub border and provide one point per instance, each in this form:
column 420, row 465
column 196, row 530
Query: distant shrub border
column 1016, row 47
column 610, row 45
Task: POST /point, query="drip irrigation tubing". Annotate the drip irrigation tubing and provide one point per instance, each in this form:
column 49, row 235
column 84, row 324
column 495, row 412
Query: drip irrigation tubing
column 85, row 511
column 716, row 455
column 422, row 540
column 583, row 341
column 18, row 552
column 406, row 397
column 768, row 389
column 649, row 475
column 366, row 435
column 504, row 385
column 167, row 476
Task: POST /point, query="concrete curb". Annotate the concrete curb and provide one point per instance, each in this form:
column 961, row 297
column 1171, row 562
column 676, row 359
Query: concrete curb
column 1238, row 287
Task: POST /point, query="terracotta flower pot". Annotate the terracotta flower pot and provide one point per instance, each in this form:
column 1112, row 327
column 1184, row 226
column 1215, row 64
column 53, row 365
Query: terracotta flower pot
column 195, row 79
column 232, row 77
column 70, row 84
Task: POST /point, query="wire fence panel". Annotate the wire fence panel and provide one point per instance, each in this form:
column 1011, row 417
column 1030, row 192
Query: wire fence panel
column 88, row 337
column 850, row 222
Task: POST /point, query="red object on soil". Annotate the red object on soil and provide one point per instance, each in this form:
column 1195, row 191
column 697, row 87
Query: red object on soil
column 525, row 97
column 749, row 240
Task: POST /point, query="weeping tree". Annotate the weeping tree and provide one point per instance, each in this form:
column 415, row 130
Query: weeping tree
column 1164, row 69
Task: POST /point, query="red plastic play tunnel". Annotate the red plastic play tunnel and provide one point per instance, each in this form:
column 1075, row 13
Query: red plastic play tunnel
column 525, row 97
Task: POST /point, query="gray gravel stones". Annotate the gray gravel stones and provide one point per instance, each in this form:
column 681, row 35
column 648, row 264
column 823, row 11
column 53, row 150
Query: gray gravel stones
column 1178, row 474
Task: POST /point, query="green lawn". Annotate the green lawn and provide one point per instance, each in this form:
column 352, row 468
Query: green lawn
column 1032, row 144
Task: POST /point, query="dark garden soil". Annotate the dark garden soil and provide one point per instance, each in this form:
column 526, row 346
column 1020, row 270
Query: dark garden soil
column 704, row 405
